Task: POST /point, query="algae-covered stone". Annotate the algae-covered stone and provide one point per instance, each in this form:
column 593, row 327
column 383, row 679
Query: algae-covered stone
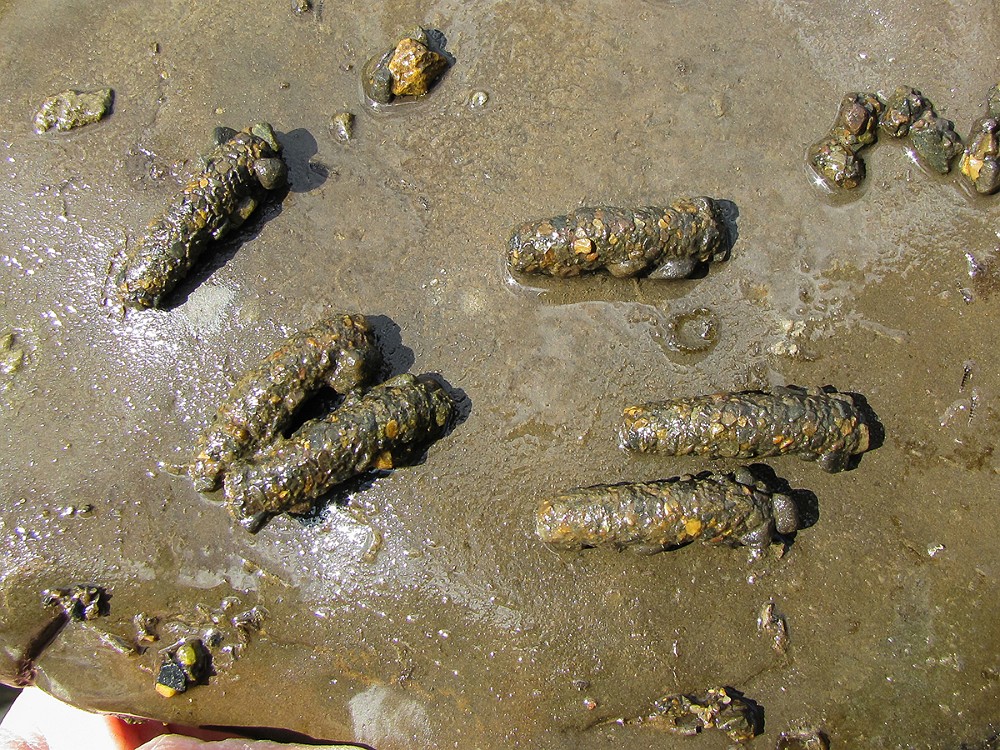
column 415, row 68
column 936, row 141
column 376, row 78
column 73, row 109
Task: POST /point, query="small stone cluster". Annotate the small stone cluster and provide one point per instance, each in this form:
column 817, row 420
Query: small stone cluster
column 835, row 155
column 723, row 709
column 906, row 112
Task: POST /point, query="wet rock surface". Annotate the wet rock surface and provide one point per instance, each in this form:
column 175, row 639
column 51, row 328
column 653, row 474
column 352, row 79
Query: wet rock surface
column 904, row 106
column 464, row 628
column 410, row 69
column 980, row 164
column 415, row 68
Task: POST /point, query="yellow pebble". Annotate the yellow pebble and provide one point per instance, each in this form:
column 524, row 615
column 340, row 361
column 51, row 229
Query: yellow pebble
column 692, row 527
column 166, row 692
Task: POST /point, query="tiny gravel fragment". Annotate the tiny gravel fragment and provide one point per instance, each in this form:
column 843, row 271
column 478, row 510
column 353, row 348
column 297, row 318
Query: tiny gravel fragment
column 342, row 125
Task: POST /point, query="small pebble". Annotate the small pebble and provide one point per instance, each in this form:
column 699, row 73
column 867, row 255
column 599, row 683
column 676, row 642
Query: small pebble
column 773, row 625
column 342, row 125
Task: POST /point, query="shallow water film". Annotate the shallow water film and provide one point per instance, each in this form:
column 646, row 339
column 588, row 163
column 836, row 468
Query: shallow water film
column 416, row 607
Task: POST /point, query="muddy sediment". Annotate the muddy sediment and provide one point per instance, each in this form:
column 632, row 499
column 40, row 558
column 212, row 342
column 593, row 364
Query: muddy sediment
column 464, row 627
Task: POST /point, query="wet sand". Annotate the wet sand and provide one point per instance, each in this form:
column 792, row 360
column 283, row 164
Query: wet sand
column 464, row 629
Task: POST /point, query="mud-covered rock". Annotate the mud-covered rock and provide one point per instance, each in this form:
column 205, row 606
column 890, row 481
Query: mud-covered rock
column 803, row 739
column 834, row 157
column 993, row 101
column 902, row 108
column 342, row 126
column 836, row 163
column 73, row 109
column 11, row 354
